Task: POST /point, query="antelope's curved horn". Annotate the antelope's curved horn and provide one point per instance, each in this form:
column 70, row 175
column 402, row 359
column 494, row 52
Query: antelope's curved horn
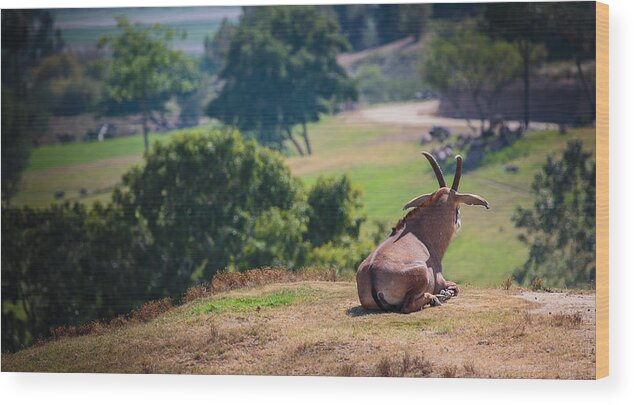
column 456, row 177
column 434, row 165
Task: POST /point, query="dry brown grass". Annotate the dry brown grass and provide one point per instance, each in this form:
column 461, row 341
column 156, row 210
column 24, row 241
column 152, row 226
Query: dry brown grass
column 567, row 320
column 469, row 369
column 227, row 281
column 196, row 292
column 449, row 371
column 151, row 310
column 325, row 332
column 222, row 282
column 346, row 370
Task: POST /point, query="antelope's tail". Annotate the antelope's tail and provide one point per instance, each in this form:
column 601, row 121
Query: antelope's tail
column 378, row 296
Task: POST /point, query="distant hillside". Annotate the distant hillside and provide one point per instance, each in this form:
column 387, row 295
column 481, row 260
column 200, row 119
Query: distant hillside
column 397, row 57
column 318, row 328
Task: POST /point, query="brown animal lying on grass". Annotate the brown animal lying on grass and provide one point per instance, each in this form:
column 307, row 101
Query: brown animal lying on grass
column 404, row 273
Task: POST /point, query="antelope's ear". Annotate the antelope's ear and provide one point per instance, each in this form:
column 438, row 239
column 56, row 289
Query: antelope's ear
column 472, row 199
column 418, row 201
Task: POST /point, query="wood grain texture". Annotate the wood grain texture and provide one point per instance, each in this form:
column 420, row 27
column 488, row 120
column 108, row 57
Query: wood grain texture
column 602, row 129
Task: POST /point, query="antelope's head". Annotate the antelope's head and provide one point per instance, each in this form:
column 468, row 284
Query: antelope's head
column 438, row 213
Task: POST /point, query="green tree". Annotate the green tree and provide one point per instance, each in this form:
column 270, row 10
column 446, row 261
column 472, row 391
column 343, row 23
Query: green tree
column 209, row 202
column 560, row 229
column 65, row 265
column 459, row 58
column 372, row 83
column 217, row 47
column 526, row 25
column 575, row 23
column 282, row 71
column 143, row 68
column 62, row 81
column 27, row 37
column 413, row 18
column 333, row 212
column 357, row 24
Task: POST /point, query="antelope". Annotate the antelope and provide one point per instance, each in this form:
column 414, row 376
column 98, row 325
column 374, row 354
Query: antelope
column 404, row 273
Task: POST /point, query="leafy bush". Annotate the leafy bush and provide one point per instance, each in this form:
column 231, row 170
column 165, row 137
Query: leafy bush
column 63, row 82
column 333, row 210
column 65, row 265
column 341, row 257
column 560, row 229
column 208, row 202
column 376, row 87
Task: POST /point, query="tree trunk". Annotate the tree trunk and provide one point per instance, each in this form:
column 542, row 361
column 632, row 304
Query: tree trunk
column 309, row 148
column 526, row 58
column 457, row 107
column 292, row 138
column 146, row 131
column 586, row 88
column 476, row 95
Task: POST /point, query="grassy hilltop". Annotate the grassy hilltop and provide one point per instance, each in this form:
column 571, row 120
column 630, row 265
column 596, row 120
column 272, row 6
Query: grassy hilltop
column 317, row 328
column 382, row 157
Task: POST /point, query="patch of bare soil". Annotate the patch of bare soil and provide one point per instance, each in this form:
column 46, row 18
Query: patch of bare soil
column 562, row 303
column 419, row 114
column 348, row 60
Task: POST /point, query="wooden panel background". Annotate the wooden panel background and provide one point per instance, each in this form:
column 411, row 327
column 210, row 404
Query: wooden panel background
column 602, row 139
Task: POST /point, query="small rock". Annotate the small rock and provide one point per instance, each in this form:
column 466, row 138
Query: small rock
column 483, row 342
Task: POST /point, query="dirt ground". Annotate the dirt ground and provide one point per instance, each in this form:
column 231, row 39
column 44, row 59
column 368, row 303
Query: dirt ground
column 421, row 114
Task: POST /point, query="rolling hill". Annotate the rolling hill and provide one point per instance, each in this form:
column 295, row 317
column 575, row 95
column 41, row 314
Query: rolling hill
column 317, row 328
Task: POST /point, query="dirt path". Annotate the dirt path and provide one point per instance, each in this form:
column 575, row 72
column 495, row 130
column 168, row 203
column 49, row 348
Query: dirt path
column 423, row 113
column 563, row 303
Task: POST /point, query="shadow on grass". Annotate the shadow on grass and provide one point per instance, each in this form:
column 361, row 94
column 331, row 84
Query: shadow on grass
column 360, row 311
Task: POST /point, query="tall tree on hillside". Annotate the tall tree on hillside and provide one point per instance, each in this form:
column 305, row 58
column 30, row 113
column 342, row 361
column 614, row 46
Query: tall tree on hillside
column 524, row 24
column 217, row 46
column 460, row 59
column 357, row 24
column 281, row 71
column 27, row 37
column 143, row 67
column 413, row 18
column 574, row 22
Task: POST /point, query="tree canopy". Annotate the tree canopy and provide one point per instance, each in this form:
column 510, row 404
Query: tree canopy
column 281, row 70
column 28, row 36
column 459, row 58
column 144, row 69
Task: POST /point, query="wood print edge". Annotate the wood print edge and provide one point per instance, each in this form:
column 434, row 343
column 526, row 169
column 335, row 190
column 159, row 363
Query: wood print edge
column 602, row 208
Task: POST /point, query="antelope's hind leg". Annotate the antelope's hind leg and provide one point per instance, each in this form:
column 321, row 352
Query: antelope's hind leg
column 416, row 302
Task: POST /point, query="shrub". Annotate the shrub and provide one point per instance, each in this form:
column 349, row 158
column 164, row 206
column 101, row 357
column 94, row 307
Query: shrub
column 65, row 265
column 333, row 210
column 209, row 202
column 560, row 228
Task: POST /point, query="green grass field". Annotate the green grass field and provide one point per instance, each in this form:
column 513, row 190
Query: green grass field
column 383, row 160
